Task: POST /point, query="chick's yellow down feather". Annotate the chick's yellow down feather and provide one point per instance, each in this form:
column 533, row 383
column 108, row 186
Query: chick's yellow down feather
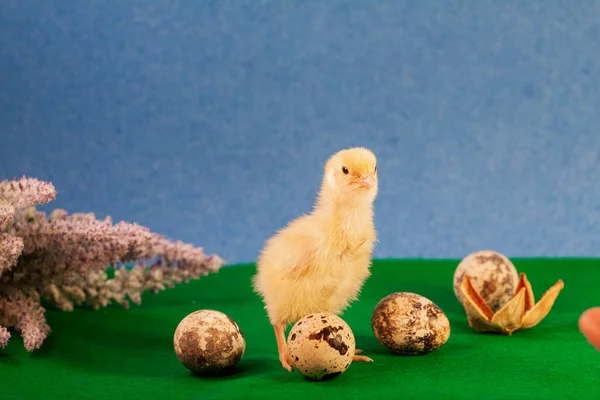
column 319, row 261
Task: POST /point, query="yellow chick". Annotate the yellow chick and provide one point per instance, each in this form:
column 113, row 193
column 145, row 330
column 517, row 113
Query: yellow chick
column 319, row 261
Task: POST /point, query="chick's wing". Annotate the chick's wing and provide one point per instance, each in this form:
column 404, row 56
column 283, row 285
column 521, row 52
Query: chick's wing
column 294, row 248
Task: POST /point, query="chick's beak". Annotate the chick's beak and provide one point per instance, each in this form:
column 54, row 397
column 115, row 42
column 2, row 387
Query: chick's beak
column 366, row 180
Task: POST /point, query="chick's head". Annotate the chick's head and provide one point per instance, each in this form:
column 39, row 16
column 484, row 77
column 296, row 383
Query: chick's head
column 353, row 172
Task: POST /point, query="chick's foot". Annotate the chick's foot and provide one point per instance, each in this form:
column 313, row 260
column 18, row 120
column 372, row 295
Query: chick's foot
column 362, row 359
column 358, row 358
column 286, row 361
column 284, row 357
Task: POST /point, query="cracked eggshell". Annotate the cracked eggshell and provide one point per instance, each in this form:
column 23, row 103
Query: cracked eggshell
column 492, row 274
column 409, row 324
column 321, row 346
column 208, row 341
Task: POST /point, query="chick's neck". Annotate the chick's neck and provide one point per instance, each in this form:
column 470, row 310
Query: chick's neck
column 345, row 212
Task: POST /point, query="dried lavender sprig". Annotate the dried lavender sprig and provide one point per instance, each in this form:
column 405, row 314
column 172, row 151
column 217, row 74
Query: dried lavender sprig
column 173, row 263
column 62, row 245
column 7, row 213
column 63, row 257
column 4, row 337
column 26, row 315
column 10, row 250
column 78, row 232
column 128, row 284
column 183, row 255
column 25, row 192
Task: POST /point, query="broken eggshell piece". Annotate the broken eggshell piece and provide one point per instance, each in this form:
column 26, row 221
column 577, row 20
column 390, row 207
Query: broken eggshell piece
column 521, row 312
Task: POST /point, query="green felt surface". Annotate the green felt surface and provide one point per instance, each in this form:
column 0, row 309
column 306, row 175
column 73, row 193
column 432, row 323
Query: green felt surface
column 115, row 353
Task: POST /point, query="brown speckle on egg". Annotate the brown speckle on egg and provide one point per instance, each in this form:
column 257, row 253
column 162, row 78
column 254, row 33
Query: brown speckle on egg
column 208, row 342
column 409, row 324
column 492, row 274
column 323, row 349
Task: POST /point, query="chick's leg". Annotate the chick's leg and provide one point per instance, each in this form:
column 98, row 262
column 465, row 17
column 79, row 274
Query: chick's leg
column 284, row 357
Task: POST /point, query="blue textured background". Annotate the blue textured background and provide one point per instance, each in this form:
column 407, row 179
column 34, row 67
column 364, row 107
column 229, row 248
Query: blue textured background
column 210, row 121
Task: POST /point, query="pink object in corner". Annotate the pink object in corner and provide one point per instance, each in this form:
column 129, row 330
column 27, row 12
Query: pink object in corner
column 589, row 324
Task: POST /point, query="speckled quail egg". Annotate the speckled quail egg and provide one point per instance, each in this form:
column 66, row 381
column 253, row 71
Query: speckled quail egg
column 321, row 346
column 208, row 342
column 492, row 274
column 409, row 324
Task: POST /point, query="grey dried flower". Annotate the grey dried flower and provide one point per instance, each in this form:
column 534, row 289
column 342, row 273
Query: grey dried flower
column 64, row 260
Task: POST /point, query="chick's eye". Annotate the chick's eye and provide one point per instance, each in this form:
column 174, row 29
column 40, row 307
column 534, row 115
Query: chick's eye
column 345, row 170
column 376, row 168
